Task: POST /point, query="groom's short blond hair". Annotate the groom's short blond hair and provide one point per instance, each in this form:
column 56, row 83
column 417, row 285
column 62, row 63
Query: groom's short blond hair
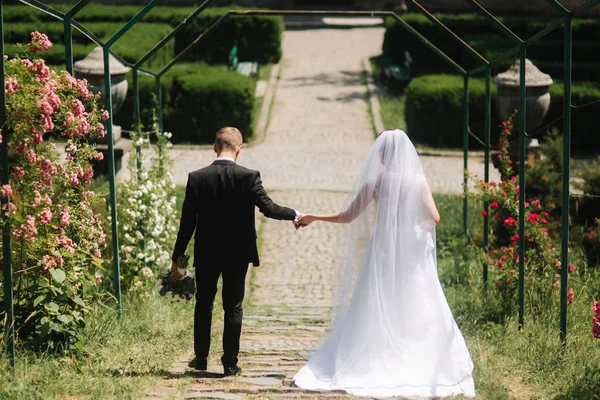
column 228, row 137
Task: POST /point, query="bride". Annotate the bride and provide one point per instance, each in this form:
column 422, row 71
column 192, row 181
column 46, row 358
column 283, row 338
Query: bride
column 392, row 332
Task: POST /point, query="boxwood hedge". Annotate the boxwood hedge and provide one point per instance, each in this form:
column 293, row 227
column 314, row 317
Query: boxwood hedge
column 258, row 37
column 483, row 38
column 197, row 100
column 434, row 112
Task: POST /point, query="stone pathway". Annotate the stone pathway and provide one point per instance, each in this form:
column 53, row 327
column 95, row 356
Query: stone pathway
column 317, row 139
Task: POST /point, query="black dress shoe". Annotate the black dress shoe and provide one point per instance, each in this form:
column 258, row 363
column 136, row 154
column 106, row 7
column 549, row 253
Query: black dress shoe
column 230, row 371
column 199, row 363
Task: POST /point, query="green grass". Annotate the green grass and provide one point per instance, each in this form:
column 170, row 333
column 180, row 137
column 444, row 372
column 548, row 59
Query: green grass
column 124, row 357
column 513, row 364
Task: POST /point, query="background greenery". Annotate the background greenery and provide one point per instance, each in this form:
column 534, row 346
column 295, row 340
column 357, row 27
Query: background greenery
column 477, row 32
column 198, row 99
column 434, row 98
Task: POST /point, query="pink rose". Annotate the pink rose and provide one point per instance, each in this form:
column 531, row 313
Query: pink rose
column 45, row 108
column 39, row 43
column 6, row 190
column 69, row 119
column 48, row 124
column 17, row 173
column 45, row 216
column 78, row 108
column 570, row 296
column 104, row 115
column 9, row 208
column 100, row 156
column 97, row 277
column 65, row 217
column 10, row 85
column 99, row 128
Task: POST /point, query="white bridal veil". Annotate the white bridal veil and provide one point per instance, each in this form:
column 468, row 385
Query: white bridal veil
column 392, row 332
column 391, row 193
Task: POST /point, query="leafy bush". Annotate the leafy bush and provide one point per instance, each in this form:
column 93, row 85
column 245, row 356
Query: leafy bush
column 431, row 99
column 258, row 37
column 200, row 104
column 136, row 42
column 482, row 37
column 56, row 235
column 197, row 101
column 434, row 110
column 146, row 208
column 542, row 260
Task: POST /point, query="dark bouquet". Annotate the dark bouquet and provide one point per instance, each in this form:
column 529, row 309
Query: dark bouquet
column 183, row 290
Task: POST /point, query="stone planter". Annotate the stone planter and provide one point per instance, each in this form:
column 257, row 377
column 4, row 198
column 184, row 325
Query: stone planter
column 92, row 69
column 537, row 100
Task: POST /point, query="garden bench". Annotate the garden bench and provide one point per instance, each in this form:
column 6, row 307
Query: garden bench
column 248, row 68
column 396, row 76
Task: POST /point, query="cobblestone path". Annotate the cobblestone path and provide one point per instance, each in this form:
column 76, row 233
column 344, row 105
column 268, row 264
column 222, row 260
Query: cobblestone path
column 317, row 140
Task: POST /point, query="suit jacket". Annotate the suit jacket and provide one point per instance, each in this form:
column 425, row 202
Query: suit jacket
column 219, row 204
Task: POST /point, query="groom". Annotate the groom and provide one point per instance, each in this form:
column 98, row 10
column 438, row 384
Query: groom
column 219, row 204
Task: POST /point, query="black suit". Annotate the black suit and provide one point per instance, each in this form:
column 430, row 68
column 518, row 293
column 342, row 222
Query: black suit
column 219, row 204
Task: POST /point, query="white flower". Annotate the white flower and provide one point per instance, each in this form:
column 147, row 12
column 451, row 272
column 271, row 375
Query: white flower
column 147, row 271
column 140, row 255
column 169, row 294
column 144, row 175
column 169, row 145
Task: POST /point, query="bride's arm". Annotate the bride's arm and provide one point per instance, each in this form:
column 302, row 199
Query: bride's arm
column 429, row 204
column 358, row 205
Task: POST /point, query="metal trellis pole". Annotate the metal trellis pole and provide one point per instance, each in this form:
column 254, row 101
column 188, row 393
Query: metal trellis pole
column 68, row 32
column 465, row 151
column 9, row 328
column 568, row 38
column 486, row 174
column 111, row 150
column 522, row 165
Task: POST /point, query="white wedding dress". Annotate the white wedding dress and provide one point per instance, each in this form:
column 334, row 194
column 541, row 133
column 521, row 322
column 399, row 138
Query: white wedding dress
column 392, row 333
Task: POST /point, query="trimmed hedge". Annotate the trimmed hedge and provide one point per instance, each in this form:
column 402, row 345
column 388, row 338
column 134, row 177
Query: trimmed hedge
column 198, row 100
column 476, row 32
column 259, row 37
column 141, row 38
column 434, row 110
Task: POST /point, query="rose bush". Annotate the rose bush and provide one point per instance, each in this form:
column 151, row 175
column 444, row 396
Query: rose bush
column 147, row 215
column 542, row 259
column 56, row 236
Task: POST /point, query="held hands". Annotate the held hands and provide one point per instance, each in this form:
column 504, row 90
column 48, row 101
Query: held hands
column 303, row 221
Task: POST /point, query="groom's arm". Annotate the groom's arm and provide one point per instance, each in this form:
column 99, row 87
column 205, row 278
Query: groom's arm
column 268, row 206
column 187, row 223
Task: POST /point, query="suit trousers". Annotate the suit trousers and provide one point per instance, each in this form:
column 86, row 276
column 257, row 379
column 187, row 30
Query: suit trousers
column 233, row 290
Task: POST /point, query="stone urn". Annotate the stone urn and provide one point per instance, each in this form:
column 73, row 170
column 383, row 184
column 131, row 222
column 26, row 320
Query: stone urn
column 538, row 94
column 92, row 69
column 537, row 101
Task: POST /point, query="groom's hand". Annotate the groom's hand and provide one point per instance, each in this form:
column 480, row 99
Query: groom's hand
column 174, row 273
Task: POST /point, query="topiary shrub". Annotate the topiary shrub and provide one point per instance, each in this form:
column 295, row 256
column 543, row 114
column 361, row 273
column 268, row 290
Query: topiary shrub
column 434, row 111
column 491, row 44
column 258, row 37
column 197, row 101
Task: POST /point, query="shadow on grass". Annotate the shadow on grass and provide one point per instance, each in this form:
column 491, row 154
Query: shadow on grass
column 163, row 373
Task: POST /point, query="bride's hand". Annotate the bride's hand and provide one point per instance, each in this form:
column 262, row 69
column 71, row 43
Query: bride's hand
column 305, row 220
